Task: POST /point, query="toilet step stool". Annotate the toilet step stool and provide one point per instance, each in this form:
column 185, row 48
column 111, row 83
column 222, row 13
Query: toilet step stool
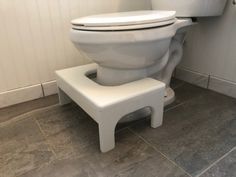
column 108, row 104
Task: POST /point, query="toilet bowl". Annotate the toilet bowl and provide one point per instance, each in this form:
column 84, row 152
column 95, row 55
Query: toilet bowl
column 129, row 46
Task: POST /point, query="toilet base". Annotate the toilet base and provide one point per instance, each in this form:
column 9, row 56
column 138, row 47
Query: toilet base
column 170, row 96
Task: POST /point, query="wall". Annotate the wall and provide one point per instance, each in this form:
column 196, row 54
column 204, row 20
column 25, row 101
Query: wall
column 210, row 53
column 34, row 42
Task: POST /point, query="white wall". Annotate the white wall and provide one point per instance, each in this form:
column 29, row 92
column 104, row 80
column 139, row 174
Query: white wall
column 211, row 46
column 34, row 37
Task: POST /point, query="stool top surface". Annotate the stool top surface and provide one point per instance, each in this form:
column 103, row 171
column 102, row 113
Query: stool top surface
column 102, row 96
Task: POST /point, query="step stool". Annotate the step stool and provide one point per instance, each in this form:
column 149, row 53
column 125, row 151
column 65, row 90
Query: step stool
column 108, row 104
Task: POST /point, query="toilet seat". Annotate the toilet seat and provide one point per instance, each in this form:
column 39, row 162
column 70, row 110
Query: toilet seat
column 125, row 21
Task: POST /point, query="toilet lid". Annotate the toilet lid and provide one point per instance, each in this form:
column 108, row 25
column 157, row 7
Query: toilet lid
column 125, row 20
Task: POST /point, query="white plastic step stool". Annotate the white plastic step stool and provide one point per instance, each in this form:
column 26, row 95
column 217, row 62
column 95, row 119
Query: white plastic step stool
column 107, row 105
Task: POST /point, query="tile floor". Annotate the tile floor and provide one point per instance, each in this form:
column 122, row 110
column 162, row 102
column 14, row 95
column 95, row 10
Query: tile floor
column 198, row 139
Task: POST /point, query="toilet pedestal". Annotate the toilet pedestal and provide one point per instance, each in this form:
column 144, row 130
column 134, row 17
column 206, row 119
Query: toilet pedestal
column 108, row 104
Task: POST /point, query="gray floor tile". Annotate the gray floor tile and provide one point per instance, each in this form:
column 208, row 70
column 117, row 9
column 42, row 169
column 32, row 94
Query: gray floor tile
column 196, row 133
column 68, row 129
column 224, row 168
column 16, row 110
column 184, row 92
column 131, row 158
column 188, row 92
column 58, row 118
column 22, row 148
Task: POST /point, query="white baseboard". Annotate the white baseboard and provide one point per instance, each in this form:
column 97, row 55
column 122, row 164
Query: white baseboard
column 192, row 77
column 213, row 83
column 25, row 94
column 222, row 86
column 20, row 95
column 49, row 88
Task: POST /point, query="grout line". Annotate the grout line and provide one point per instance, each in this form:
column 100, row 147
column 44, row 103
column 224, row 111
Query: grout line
column 221, row 158
column 148, row 143
column 24, row 116
column 176, row 106
column 45, row 137
column 42, row 90
column 208, row 81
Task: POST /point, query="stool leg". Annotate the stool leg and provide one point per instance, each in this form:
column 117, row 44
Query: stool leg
column 157, row 116
column 63, row 98
column 107, row 136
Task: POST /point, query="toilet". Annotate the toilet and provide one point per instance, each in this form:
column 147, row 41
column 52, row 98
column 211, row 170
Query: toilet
column 130, row 46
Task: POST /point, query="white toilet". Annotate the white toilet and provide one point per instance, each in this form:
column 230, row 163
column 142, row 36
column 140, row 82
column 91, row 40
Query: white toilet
column 129, row 46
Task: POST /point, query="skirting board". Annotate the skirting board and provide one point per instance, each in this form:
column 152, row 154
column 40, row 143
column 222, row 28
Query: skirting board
column 192, row 77
column 25, row 94
column 213, row 83
column 49, row 88
column 222, row 86
column 20, row 95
